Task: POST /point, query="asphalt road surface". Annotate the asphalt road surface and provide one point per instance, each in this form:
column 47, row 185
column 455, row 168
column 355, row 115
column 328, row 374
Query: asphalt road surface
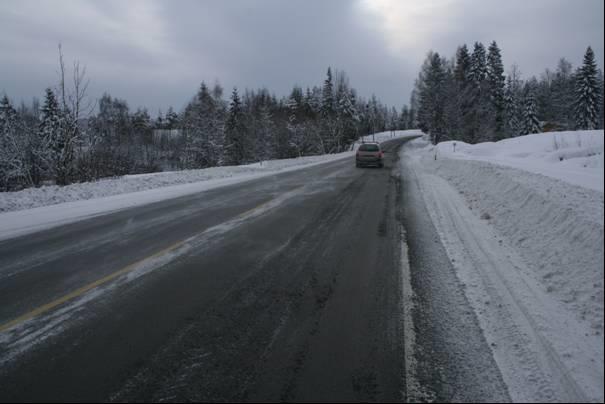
column 282, row 288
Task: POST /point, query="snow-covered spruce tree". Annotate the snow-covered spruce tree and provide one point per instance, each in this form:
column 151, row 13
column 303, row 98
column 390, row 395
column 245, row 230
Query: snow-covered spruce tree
column 462, row 98
column 431, row 94
column 478, row 67
column 413, row 111
column 297, row 136
column 602, row 98
column 563, row 94
column 13, row 159
column 142, row 132
column 587, row 92
column 463, row 65
column 327, row 96
column 346, row 113
column 452, row 109
column 327, row 116
column 265, row 144
column 234, row 132
column 478, row 126
column 511, row 111
column 404, row 118
column 530, row 124
column 52, row 132
column 393, row 119
column 172, row 119
column 513, row 100
column 202, row 131
column 496, row 81
column 216, row 136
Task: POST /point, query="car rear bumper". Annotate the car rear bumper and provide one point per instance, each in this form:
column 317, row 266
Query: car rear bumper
column 369, row 162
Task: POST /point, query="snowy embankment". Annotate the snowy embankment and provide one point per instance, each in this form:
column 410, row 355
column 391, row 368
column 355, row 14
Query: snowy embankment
column 35, row 209
column 575, row 157
column 522, row 221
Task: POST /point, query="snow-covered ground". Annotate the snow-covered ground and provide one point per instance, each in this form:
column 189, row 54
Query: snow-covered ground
column 35, row 209
column 575, row 157
column 527, row 244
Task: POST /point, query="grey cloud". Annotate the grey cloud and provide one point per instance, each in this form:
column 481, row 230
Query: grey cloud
column 155, row 54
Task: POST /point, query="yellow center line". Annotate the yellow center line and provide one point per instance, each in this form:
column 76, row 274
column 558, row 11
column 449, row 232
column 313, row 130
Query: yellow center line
column 80, row 291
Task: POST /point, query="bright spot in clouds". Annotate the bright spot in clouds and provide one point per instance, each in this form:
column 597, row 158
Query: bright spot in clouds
column 407, row 25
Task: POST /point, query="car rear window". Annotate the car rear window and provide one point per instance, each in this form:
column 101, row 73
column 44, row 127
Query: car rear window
column 368, row 147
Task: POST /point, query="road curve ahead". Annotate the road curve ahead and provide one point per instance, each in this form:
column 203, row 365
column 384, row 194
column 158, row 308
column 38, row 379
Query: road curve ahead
column 282, row 288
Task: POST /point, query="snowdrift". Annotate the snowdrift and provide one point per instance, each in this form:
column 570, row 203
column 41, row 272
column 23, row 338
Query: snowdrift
column 575, row 157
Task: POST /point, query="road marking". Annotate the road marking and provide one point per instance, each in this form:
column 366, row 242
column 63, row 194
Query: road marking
column 80, row 291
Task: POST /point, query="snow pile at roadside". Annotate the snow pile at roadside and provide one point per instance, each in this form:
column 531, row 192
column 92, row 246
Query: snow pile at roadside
column 51, row 195
column 573, row 156
column 557, row 227
column 529, row 250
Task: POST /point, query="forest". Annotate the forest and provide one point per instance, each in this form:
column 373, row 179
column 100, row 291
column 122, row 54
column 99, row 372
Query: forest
column 469, row 98
column 67, row 138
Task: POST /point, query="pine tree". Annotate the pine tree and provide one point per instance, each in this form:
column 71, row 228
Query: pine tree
column 432, row 100
column 404, row 118
column 496, row 80
column 12, row 158
column 601, row 92
column 563, row 94
column 511, row 110
column 327, row 100
column 266, row 143
column 172, row 119
column 51, row 133
column 297, row 140
column 234, row 132
column 587, row 92
column 478, row 67
column 531, row 124
column 463, row 65
column 346, row 114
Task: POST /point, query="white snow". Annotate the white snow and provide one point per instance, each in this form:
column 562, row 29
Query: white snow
column 527, row 244
column 41, row 208
column 575, row 157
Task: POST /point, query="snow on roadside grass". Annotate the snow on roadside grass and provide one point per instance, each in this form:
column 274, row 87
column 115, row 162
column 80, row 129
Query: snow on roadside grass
column 575, row 157
column 51, row 195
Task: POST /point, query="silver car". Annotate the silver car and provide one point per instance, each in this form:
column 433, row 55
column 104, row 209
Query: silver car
column 369, row 154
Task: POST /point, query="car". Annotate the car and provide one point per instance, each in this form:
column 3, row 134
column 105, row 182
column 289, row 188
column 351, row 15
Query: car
column 369, row 154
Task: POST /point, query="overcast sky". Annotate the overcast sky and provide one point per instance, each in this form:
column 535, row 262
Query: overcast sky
column 155, row 53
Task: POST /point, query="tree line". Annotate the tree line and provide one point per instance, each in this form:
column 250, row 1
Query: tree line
column 65, row 139
column 469, row 98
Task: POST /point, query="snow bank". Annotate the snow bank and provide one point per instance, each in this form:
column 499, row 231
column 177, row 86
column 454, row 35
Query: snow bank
column 51, row 195
column 575, row 157
column 553, row 223
column 556, row 226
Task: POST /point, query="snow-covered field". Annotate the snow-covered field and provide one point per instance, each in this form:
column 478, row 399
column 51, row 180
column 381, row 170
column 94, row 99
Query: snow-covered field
column 575, row 157
column 35, row 209
column 522, row 221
